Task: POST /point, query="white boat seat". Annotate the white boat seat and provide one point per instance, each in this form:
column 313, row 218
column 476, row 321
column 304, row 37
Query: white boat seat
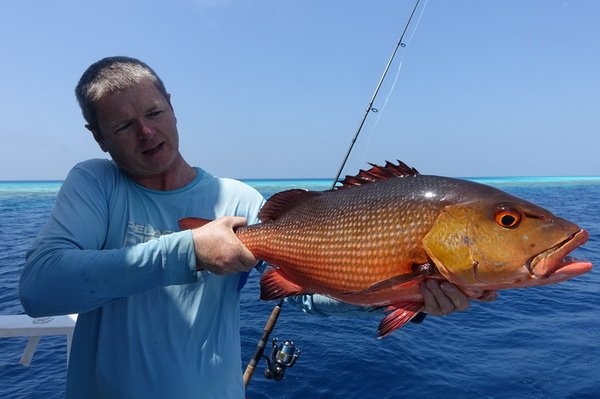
column 34, row 328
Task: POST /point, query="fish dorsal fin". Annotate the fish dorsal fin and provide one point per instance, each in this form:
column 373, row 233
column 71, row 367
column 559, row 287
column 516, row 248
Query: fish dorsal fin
column 378, row 172
column 282, row 202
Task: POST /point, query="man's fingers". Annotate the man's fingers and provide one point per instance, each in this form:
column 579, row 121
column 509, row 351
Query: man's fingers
column 430, row 302
column 458, row 299
column 445, row 303
column 234, row 221
column 430, row 305
column 246, row 259
column 443, row 298
column 219, row 250
column 488, row 296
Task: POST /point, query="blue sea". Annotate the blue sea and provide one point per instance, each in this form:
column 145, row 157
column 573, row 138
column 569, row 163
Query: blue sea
column 539, row 342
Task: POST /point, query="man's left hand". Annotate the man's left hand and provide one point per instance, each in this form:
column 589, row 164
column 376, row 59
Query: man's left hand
column 443, row 298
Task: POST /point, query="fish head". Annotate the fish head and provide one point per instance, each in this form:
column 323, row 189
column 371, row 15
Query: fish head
column 501, row 241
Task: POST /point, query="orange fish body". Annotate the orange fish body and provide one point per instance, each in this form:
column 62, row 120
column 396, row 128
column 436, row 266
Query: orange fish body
column 340, row 243
column 372, row 241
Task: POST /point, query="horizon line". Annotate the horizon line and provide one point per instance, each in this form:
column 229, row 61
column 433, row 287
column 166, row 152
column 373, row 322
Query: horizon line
column 329, row 179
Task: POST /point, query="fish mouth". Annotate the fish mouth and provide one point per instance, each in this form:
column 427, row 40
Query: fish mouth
column 555, row 259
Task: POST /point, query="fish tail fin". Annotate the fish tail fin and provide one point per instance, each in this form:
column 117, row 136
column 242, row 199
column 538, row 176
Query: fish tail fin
column 402, row 313
column 275, row 285
column 192, row 223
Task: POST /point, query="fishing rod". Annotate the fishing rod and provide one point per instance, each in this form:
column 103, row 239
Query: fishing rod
column 284, row 355
column 370, row 107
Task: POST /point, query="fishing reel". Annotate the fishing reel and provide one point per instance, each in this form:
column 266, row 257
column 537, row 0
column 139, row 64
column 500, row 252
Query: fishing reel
column 283, row 355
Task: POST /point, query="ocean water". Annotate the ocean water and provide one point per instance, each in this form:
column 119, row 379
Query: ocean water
column 539, row 342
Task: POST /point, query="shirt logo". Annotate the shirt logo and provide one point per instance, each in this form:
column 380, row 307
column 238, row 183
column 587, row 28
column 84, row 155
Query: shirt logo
column 140, row 233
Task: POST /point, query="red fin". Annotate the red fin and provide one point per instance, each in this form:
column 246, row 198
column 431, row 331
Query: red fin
column 274, row 285
column 420, row 272
column 377, row 172
column 282, row 202
column 192, row 223
column 402, row 314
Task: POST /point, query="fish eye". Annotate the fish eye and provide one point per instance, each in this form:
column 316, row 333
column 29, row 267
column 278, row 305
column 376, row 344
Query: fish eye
column 507, row 217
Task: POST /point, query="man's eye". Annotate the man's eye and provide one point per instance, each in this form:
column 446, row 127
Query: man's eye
column 154, row 114
column 123, row 128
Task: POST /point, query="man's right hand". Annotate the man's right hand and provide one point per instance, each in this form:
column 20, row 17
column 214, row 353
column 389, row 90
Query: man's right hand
column 218, row 249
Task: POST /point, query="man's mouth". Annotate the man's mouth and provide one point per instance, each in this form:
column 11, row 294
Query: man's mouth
column 154, row 149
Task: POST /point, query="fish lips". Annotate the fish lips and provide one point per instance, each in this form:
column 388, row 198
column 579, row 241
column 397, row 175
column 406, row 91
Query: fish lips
column 549, row 262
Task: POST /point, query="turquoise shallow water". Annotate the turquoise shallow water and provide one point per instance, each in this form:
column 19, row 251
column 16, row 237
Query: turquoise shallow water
column 535, row 343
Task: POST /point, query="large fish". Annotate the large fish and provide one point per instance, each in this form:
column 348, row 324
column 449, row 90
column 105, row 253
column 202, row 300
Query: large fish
column 372, row 240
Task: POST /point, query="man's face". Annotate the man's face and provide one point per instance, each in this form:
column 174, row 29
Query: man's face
column 137, row 127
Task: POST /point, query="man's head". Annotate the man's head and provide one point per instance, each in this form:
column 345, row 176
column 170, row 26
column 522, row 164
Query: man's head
column 110, row 75
column 130, row 116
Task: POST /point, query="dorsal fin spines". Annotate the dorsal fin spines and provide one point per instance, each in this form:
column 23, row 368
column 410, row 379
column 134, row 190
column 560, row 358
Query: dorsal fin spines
column 378, row 172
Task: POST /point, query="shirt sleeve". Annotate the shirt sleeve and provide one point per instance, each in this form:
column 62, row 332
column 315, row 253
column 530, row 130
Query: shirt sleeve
column 68, row 271
column 325, row 306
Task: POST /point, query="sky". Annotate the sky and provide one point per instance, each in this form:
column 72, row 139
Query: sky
column 277, row 88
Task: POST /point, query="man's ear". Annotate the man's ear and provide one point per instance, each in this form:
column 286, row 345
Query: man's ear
column 98, row 137
column 170, row 105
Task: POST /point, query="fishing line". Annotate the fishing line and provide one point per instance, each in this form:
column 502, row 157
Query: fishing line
column 379, row 113
column 370, row 107
column 381, row 110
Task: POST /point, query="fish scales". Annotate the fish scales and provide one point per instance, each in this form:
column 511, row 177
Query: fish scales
column 348, row 240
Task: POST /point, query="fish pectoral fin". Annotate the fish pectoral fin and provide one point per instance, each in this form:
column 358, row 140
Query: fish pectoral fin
column 192, row 223
column 421, row 271
column 275, row 285
column 401, row 314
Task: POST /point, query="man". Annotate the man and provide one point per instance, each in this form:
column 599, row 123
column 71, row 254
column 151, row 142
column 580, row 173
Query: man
column 151, row 324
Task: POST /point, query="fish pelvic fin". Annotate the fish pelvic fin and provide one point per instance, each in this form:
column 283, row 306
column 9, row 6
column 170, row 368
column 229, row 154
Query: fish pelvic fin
column 192, row 223
column 284, row 201
column 275, row 285
column 401, row 314
column 376, row 173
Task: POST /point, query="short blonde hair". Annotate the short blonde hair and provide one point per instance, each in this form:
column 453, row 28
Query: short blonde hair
column 110, row 75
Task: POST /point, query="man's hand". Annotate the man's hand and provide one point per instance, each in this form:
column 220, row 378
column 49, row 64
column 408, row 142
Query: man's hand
column 218, row 249
column 444, row 298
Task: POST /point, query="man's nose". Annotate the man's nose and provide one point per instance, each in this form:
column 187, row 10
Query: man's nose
column 144, row 129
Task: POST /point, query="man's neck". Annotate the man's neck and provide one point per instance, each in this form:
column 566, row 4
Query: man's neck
column 179, row 175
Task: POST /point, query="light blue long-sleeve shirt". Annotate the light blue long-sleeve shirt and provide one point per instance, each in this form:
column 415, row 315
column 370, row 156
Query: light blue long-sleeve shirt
column 149, row 325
